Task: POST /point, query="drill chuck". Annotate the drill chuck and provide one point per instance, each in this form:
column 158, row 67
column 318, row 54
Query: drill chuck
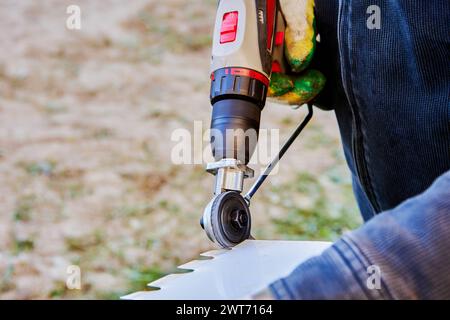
column 238, row 95
column 235, row 127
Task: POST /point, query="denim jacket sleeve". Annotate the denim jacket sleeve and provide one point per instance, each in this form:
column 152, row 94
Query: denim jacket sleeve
column 408, row 246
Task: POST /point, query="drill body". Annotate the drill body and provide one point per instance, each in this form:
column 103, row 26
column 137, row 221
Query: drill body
column 242, row 59
column 248, row 38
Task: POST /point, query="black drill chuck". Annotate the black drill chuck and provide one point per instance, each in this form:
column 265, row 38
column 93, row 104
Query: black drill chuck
column 235, row 127
column 238, row 95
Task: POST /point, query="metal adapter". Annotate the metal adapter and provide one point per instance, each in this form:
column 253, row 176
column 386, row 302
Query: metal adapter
column 230, row 174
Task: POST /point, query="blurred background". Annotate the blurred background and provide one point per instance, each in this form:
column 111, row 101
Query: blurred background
column 86, row 118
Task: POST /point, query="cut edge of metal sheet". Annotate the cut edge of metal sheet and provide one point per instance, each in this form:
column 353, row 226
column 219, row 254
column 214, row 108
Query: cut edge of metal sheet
column 214, row 253
column 188, row 267
column 161, row 282
column 193, row 265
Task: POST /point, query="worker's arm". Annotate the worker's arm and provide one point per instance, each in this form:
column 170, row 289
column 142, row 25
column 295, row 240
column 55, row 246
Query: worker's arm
column 410, row 245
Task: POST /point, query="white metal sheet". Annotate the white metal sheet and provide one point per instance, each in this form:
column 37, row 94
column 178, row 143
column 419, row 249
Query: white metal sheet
column 238, row 273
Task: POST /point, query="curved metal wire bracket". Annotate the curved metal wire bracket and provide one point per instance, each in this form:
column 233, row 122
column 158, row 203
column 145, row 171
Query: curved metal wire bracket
column 259, row 181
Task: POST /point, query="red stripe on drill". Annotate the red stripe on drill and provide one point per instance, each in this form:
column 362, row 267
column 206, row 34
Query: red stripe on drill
column 249, row 73
column 276, row 67
column 270, row 17
column 279, row 38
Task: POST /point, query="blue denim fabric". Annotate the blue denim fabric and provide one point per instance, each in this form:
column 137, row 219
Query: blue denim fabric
column 409, row 244
column 390, row 89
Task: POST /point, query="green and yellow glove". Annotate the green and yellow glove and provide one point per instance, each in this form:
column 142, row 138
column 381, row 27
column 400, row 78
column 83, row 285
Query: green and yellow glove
column 299, row 85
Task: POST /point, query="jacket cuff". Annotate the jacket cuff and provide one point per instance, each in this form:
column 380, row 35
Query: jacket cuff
column 340, row 272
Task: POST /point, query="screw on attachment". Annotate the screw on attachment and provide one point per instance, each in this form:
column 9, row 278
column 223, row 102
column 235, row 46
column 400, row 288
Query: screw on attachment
column 239, row 218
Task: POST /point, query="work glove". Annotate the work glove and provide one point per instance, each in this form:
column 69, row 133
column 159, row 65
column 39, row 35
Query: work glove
column 298, row 84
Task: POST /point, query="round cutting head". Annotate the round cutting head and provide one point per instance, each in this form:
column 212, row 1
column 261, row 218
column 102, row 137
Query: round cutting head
column 227, row 220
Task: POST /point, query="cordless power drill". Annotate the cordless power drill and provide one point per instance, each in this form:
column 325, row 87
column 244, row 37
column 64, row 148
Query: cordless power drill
column 247, row 48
